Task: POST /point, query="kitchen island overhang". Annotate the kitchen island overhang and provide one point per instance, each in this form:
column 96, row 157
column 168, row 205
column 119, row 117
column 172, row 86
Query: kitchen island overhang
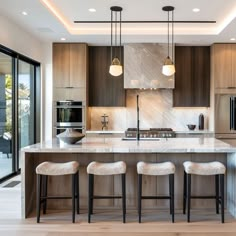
column 176, row 150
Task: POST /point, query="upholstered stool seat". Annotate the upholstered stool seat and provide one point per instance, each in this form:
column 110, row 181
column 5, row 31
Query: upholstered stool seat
column 210, row 168
column 215, row 168
column 164, row 168
column 156, row 169
column 46, row 169
column 51, row 168
column 98, row 168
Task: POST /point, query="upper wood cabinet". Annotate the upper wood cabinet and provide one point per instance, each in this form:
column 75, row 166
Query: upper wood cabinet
column 192, row 77
column 224, row 65
column 104, row 89
column 69, row 65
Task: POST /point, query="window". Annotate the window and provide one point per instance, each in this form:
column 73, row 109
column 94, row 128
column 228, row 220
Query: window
column 19, row 85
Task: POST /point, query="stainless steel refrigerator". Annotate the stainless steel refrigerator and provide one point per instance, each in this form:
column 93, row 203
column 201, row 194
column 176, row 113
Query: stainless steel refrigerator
column 225, row 118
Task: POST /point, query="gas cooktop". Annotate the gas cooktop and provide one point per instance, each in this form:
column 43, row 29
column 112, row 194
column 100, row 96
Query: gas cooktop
column 150, row 133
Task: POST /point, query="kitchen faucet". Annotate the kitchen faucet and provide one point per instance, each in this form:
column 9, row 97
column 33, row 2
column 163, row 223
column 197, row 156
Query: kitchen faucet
column 138, row 133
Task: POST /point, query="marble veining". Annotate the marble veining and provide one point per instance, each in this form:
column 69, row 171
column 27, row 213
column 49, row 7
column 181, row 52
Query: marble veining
column 116, row 145
column 143, row 66
column 156, row 110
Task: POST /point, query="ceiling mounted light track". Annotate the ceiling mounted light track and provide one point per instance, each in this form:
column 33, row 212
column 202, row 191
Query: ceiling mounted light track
column 147, row 22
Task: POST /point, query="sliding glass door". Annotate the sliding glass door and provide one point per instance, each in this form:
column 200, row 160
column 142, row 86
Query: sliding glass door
column 6, row 109
column 18, row 95
column 26, row 101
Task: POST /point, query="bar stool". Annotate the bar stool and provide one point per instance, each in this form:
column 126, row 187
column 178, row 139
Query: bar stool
column 98, row 168
column 46, row 169
column 156, row 169
column 211, row 168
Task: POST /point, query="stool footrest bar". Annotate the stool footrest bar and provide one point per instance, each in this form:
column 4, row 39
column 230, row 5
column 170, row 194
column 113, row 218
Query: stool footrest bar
column 156, row 197
column 105, row 197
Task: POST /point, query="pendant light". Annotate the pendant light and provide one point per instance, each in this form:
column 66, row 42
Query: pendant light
column 115, row 67
column 168, row 68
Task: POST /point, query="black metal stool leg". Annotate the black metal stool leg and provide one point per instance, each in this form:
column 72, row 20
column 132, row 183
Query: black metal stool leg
column 217, row 193
column 45, row 192
column 38, row 200
column 124, row 197
column 170, row 194
column 222, row 198
column 73, row 197
column 172, row 205
column 184, row 193
column 90, row 196
column 188, row 196
column 77, row 191
column 139, row 197
column 92, row 183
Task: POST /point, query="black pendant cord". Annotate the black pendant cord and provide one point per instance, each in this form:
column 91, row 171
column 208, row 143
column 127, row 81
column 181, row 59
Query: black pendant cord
column 116, row 34
column 120, row 38
column 111, row 34
column 173, row 36
column 168, row 35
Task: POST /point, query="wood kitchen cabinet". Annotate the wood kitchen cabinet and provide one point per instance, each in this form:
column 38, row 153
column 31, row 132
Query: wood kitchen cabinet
column 69, row 65
column 192, row 77
column 70, row 75
column 224, row 65
column 104, row 89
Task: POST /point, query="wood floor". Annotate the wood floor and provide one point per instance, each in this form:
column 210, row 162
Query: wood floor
column 203, row 223
column 109, row 223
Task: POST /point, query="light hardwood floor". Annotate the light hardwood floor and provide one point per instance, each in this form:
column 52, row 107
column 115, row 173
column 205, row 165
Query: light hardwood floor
column 108, row 223
column 204, row 223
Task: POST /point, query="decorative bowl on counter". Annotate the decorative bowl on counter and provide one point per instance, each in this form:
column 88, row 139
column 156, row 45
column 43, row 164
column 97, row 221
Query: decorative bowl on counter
column 191, row 127
column 70, row 136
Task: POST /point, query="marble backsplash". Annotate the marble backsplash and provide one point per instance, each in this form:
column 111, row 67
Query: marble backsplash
column 144, row 61
column 155, row 110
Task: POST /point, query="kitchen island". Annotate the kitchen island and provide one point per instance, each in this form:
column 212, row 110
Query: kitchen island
column 105, row 149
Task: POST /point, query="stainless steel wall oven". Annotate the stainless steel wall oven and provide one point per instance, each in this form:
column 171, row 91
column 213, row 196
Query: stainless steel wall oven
column 70, row 114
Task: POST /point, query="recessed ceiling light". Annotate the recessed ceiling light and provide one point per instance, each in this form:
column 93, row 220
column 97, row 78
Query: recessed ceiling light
column 63, row 39
column 92, row 9
column 196, row 9
column 24, row 13
column 232, row 39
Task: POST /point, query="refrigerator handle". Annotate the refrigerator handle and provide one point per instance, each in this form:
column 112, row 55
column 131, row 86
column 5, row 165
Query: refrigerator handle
column 232, row 113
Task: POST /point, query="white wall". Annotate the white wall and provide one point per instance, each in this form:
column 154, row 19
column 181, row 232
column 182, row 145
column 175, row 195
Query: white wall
column 17, row 39
column 21, row 41
column 47, row 92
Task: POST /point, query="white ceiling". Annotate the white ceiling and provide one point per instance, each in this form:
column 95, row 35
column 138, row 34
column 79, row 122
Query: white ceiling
column 43, row 20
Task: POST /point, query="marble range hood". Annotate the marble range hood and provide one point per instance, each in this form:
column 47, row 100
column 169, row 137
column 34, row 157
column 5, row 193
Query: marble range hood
column 143, row 65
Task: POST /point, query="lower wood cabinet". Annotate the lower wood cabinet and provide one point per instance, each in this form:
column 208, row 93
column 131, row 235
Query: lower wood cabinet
column 192, row 77
column 104, row 89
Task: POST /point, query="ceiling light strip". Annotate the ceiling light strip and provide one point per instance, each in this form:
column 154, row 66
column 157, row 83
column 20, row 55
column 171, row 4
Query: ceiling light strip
column 56, row 13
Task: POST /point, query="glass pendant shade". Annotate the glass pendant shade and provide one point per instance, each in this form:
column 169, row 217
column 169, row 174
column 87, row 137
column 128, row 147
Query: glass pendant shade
column 116, row 68
column 168, row 68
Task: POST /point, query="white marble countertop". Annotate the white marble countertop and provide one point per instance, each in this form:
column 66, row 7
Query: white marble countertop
column 116, row 145
column 105, row 131
column 196, row 131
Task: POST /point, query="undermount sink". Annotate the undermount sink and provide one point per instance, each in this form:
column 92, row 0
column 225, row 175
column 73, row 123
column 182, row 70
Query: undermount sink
column 141, row 139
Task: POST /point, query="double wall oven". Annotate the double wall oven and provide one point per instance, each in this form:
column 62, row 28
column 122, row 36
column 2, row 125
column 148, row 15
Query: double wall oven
column 70, row 114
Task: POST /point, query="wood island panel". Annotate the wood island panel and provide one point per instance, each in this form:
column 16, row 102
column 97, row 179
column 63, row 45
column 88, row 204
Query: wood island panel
column 112, row 185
